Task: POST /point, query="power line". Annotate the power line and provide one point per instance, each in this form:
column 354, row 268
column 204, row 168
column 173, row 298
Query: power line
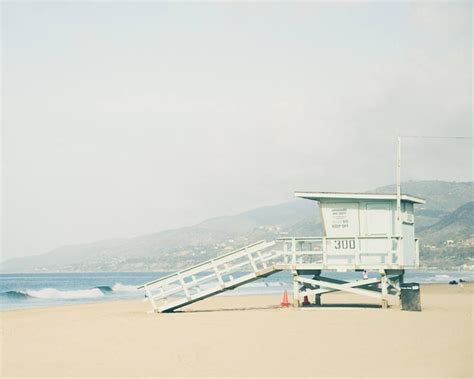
column 439, row 137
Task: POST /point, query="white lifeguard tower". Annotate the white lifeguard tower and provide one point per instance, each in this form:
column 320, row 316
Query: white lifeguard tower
column 362, row 231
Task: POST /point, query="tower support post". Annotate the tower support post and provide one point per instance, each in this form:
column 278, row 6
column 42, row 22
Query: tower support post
column 296, row 290
column 395, row 279
column 384, row 288
column 317, row 297
column 317, row 300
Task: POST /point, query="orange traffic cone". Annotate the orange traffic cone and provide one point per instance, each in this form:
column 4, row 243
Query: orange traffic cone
column 285, row 303
column 305, row 300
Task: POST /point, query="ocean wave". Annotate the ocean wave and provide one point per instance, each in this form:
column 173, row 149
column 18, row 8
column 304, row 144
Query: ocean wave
column 119, row 287
column 17, row 295
column 53, row 293
column 104, row 289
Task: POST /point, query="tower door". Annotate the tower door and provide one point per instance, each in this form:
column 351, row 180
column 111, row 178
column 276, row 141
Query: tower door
column 379, row 221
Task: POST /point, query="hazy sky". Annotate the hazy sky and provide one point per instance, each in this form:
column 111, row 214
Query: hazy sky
column 122, row 119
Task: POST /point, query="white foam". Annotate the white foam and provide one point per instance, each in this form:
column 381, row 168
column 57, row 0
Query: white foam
column 119, row 287
column 53, row 293
column 264, row 284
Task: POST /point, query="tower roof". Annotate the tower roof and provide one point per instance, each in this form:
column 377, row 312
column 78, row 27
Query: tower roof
column 357, row 196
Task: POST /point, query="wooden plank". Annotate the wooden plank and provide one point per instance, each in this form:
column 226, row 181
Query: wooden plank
column 359, row 283
column 262, row 242
column 171, row 279
column 341, row 287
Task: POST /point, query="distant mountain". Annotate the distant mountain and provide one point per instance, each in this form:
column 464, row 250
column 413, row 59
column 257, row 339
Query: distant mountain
column 177, row 248
column 439, row 195
column 441, row 198
column 63, row 258
column 447, row 215
column 458, row 225
column 450, row 241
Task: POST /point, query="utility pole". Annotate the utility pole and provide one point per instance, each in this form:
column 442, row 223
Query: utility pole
column 399, row 191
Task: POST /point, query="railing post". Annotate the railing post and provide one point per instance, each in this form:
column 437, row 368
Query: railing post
column 183, row 284
column 194, row 283
column 259, row 253
column 254, row 266
column 357, row 252
column 389, row 251
column 325, row 257
column 417, row 253
column 401, row 260
column 293, row 251
column 231, row 277
column 152, row 301
column 219, row 277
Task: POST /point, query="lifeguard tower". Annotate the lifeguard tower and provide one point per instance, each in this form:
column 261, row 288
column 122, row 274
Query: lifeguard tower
column 362, row 231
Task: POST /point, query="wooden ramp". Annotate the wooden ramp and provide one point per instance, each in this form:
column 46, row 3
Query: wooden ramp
column 212, row 277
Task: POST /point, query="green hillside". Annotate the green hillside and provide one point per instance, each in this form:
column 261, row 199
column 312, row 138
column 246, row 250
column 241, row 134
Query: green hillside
column 450, row 241
column 441, row 198
column 457, row 226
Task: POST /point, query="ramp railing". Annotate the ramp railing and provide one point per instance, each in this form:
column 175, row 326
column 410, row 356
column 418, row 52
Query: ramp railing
column 216, row 275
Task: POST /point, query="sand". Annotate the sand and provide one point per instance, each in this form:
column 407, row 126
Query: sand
column 244, row 336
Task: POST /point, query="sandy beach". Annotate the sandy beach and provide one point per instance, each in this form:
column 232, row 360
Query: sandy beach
column 244, row 336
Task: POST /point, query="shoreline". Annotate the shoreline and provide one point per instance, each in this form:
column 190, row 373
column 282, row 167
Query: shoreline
column 224, row 294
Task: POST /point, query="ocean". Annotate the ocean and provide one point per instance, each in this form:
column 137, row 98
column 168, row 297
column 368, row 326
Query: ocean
column 51, row 289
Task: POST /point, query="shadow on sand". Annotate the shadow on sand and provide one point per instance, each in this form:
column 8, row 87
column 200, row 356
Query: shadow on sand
column 227, row 309
column 357, row 305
